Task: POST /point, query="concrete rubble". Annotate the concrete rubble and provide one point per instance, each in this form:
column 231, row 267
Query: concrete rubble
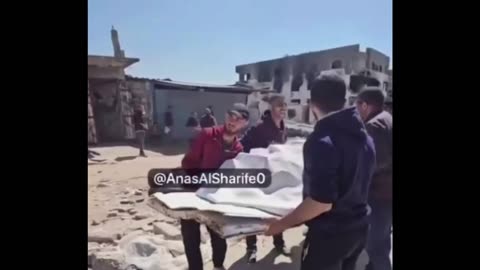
column 142, row 250
column 169, row 231
column 100, row 235
column 134, row 236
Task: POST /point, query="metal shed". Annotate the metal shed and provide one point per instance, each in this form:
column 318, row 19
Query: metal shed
column 185, row 97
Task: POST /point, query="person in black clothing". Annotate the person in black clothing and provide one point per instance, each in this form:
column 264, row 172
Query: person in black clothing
column 192, row 120
column 339, row 159
column 379, row 126
column 193, row 125
column 270, row 130
column 168, row 121
column 140, row 125
column 208, row 120
column 169, row 117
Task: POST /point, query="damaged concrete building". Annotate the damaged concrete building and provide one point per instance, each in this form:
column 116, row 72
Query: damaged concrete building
column 113, row 95
column 292, row 75
column 110, row 99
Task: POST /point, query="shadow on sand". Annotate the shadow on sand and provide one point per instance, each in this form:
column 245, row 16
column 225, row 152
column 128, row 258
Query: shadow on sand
column 125, row 158
column 267, row 262
column 172, row 148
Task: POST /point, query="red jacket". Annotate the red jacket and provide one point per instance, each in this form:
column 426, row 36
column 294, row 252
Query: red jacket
column 207, row 150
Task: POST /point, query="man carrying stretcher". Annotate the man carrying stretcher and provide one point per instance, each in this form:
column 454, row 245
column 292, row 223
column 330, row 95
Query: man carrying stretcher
column 209, row 150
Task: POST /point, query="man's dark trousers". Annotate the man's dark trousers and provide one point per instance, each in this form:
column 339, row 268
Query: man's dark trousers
column 191, row 239
column 141, row 140
column 379, row 243
column 252, row 242
column 339, row 251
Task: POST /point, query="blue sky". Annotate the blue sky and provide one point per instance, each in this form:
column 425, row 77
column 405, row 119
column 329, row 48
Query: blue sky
column 203, row 40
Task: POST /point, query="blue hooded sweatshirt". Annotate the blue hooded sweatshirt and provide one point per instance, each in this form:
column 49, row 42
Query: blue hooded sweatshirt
column 339, row 160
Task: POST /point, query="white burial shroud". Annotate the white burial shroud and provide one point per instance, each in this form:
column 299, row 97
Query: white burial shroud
column 285, row 162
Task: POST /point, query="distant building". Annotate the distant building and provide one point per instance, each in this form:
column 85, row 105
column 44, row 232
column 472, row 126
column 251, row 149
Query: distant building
column 292, row 75
column 390, row 85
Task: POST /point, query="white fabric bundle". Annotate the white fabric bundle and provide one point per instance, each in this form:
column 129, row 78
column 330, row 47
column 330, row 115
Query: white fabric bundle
column 284, row 194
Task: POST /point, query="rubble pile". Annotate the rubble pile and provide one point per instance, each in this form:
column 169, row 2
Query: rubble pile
column 133, row 236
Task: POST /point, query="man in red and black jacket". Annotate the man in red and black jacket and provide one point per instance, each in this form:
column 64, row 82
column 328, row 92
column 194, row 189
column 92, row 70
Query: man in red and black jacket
column 271, row 130
column 210, row 149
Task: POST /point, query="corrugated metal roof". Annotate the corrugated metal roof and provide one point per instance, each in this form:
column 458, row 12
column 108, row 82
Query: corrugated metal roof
column 198, row 86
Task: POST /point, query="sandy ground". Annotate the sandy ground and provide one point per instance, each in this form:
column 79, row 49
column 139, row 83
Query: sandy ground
column 122, row 171
column 122, row 176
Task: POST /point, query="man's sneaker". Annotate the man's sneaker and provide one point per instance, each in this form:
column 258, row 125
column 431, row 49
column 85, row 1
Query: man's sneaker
column 283, row 250
column 251, row 256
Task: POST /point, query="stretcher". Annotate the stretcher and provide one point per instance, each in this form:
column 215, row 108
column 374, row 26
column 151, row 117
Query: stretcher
column 226, row 220
column 241, row 211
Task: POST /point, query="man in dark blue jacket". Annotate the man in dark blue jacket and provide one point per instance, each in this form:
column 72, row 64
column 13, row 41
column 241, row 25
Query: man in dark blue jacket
column 339, row 158
column 270, row 130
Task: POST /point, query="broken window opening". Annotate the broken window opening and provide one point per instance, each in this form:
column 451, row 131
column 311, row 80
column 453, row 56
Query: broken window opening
column 264, row 74
column 248, row 76
column 278, row 80
column 337, row 64
column 295, row 101
column 357, row 82
column 297, row 82
column 312, row 75
column 291, row 113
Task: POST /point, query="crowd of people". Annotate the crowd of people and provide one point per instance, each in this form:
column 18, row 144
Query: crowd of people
column 347, row 179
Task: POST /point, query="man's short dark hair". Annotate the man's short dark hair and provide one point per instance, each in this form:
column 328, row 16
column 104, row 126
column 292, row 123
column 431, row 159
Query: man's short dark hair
column 372, row 96
column 328, row 93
